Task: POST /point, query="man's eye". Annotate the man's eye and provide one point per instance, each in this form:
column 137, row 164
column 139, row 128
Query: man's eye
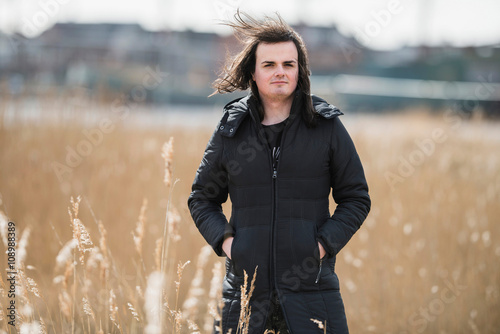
column 268, row 65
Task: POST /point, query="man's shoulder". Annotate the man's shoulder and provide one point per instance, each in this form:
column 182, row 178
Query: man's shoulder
column 239, row 104
column 233, row 114
column 325, row 109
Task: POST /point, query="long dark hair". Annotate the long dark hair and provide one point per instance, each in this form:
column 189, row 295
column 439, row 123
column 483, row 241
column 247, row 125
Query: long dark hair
column 237, row 71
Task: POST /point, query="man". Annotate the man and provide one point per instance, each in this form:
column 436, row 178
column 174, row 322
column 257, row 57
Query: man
column 277, row 153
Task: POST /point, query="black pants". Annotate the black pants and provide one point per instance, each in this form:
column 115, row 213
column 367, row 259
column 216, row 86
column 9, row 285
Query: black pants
column 275, row 319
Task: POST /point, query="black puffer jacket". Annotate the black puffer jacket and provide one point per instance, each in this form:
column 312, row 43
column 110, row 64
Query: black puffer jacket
column 279, row 216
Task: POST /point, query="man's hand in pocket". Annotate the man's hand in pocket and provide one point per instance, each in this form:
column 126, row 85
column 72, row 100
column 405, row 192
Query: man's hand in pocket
column 227, row 244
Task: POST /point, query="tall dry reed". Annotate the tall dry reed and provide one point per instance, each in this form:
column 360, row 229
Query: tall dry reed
column 435, row 229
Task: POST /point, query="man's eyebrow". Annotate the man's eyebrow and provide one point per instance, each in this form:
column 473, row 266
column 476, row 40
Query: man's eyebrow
column 272, row 62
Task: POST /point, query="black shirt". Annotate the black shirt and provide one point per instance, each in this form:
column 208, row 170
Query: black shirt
column 273, row 134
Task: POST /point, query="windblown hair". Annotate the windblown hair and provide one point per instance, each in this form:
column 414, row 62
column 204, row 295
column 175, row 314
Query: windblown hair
column 237, row 71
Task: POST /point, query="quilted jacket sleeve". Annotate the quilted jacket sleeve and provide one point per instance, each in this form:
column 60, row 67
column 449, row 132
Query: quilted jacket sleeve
column 209, row 191
column 349, row 190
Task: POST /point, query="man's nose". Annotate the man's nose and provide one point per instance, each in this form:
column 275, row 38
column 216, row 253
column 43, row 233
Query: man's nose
column 280, row 70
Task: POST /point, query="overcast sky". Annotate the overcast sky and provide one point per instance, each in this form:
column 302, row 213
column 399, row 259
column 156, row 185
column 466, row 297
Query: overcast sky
column 381, row 24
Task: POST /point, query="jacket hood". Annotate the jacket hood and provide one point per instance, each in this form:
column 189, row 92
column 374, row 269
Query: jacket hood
column 236, row 111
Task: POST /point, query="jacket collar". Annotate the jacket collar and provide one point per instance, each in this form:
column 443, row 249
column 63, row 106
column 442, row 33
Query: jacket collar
column 236, row 111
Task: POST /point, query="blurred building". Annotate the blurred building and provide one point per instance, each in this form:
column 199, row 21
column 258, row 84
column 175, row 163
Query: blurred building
column 118, row 57
column 114, row 56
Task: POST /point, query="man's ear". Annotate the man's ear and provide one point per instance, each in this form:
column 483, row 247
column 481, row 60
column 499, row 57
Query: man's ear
column 253, row 77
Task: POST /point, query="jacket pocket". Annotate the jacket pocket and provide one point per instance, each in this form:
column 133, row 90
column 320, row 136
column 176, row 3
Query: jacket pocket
column 234, row 252
column 241, row 251
column 300, row 270
column 304, row 244
column 316, row 243
column 250, row 250
column 317, row 253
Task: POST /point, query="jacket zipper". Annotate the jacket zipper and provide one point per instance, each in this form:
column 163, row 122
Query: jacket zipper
column 274, row 164
column 273, row 282
column 275, row 159
column 272, row 279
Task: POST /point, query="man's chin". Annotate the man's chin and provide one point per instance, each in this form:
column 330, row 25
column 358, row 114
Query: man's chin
column 281, row 94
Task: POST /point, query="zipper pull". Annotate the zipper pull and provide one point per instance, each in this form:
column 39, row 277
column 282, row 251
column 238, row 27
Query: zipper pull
column 319, row 272
column 275, row 173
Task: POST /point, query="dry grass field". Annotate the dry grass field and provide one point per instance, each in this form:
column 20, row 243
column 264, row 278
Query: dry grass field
column 427, row 259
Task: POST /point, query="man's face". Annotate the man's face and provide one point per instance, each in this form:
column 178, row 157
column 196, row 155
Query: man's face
column 276, row 70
